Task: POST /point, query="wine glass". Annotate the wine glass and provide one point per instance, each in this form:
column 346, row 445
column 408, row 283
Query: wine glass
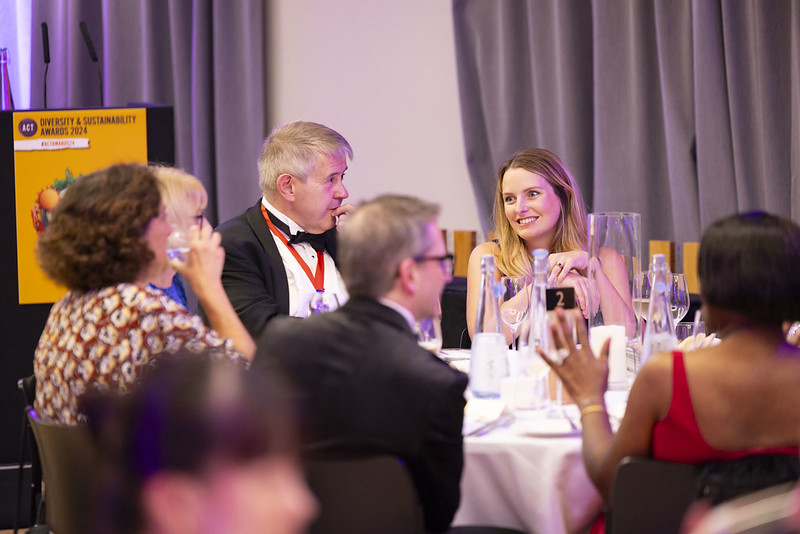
column 641, row 301
column 429, row 334
column 322, row 301
column 679, row 297
column 514, row 304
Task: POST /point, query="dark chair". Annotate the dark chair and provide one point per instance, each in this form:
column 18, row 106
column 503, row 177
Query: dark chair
column 480, row 529
column 653, row 496
column 68, row 458
column 364, row 496
column 454, row 315
column 27, row 387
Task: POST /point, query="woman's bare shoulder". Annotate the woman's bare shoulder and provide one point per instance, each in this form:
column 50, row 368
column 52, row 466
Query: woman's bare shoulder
column 489, row 247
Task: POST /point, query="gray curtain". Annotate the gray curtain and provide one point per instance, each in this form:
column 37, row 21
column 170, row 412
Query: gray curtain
column 204, row 57
column 683, row 111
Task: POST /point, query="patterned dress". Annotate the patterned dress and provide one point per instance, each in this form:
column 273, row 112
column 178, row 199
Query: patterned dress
column 104, row 340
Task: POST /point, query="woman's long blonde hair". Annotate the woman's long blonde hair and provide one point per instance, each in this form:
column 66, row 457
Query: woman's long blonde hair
column 513, row 259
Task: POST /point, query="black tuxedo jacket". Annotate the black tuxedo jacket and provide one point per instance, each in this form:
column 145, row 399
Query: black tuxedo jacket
column 365, row 387
column 254, row 276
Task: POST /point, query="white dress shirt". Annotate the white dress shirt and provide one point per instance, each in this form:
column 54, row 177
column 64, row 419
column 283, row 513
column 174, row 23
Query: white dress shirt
column 301, row 289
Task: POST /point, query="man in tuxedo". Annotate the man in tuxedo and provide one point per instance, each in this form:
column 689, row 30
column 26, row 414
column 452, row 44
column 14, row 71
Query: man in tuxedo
column 281, row 251
column 364, row 385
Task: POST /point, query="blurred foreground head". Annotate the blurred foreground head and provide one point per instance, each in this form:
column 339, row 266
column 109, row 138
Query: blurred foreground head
column 748, row 264
column 201, row 446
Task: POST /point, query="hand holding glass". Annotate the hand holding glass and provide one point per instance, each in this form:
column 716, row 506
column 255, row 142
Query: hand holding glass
column 178, row 243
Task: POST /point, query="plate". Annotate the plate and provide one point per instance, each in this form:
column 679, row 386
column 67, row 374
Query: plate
column 547, row 428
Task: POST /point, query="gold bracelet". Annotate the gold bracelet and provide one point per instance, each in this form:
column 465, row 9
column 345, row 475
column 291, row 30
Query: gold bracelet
column 590, row 401
column 592, row 408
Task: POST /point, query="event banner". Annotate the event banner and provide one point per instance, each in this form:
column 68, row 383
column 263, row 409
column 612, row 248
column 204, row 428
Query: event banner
column 52, row 149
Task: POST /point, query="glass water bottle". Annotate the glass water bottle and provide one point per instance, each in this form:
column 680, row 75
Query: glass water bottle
column 489, row 360
column 659, row 335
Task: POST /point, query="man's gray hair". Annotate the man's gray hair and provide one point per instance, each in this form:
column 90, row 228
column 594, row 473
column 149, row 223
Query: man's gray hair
column 378, row 236
column 293, row 149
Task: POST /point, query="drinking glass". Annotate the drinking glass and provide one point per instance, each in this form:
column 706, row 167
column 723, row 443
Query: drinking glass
column 178, row 243
column 686, row 330
column 429, row 334
column 679, row 298
column 514, row 304
column 322, row 301
column 641, row 301
column 618, row 232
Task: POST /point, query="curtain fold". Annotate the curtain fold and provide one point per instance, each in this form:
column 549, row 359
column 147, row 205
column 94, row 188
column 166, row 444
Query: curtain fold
column 683, row 111
column 203, row 57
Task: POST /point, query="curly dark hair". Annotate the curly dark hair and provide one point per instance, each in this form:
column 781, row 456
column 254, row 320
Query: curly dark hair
column 95, row 237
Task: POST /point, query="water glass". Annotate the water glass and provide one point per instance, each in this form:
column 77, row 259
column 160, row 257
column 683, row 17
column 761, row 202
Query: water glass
column 689, row 336
column 514, row 303
column 429, row 334
column 178, row 243
column 322, row 301
column 641, row 299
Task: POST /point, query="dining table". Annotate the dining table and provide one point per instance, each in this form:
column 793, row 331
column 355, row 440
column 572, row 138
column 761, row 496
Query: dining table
column 524, row 469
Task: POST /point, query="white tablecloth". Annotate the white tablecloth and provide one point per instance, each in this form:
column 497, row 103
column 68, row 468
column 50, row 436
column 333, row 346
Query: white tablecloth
column 528, row 483
column 533, row 484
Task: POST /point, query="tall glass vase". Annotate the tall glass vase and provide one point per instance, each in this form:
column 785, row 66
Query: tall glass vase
column 614, row 246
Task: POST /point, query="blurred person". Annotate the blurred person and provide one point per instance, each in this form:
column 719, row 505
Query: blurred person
column 365, row 386
column 283, row 249
column 185, row 199
column 107, row 241
column 199, row 446
column 539, row 205
column 722, row 402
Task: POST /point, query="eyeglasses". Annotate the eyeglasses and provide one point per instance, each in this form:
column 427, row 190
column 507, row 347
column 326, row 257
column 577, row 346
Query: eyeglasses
column 446, row 261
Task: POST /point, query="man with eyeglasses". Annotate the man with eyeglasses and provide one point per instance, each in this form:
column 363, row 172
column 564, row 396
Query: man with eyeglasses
column 365, row 386
column 282, row 251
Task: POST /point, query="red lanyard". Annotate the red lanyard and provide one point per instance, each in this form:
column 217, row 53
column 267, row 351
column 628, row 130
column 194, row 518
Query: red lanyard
column 318, row 278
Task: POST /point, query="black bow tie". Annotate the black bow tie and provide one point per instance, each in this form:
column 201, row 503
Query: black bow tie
column 317, row 241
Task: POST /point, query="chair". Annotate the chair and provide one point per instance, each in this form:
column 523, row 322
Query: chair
column 364, row 496
column 454, row 314
column 67, row 457
column 480, row 529
column 691, row 249
column 649, row 496
column 27, row 387
column 667, row 248
column 653, row 496
column 463, row 243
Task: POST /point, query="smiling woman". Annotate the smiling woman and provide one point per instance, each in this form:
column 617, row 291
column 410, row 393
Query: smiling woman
column 539, row 205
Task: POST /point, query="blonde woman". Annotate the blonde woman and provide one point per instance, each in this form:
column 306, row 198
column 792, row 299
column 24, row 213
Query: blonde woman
column 184, row 199
column 539, row 205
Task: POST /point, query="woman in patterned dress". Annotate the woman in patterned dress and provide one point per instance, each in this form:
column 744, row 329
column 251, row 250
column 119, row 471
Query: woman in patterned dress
column 105, row 243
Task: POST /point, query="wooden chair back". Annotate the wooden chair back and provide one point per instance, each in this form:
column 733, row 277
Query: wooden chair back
column 667, row 248
column 691, row 250
column 463, row 243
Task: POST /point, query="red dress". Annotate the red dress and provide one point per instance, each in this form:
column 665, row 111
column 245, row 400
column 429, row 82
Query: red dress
column 677, row 438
